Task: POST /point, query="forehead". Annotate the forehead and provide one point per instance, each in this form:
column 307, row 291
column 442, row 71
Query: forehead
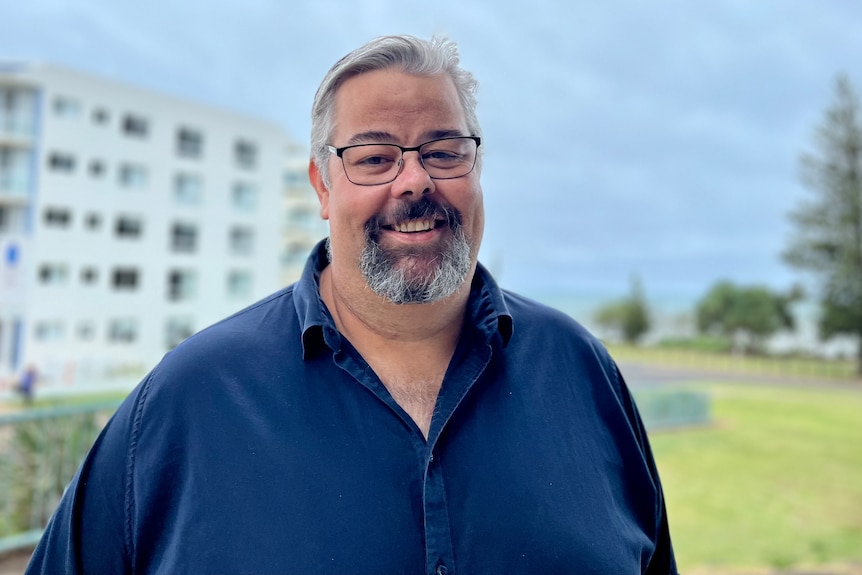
column 404, row 107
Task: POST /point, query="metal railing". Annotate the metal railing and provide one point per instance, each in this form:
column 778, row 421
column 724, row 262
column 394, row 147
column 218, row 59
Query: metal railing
column 40, row 450
column 663, row 409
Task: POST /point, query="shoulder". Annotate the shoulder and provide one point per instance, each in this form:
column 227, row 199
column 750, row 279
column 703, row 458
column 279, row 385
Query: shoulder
column 531, row 315
column 540, row 330
column 260, row 324
column 240, row 350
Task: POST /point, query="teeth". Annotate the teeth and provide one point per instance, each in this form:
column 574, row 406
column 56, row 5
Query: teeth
column 415, row 226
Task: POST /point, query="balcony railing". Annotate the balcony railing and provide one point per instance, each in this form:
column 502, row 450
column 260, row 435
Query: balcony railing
column 13, row 185
column 14, row 128
column 40, row 450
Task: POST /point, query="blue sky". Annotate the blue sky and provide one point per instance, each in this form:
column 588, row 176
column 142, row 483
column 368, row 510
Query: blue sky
column 655, row 138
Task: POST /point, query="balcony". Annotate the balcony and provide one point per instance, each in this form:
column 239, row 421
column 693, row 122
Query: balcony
column 18, row 105
column 14, row 187
column 16, row 131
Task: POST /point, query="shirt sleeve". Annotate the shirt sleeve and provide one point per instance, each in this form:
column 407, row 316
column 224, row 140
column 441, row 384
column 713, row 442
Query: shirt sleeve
column 89, row 532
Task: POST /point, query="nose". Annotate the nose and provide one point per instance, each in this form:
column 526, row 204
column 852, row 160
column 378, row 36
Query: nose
column 412, row 177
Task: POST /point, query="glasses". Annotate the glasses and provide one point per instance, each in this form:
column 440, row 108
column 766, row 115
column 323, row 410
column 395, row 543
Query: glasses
column 377, row 164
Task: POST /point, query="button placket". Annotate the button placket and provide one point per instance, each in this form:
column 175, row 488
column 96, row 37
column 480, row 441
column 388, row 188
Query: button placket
column 438, row 537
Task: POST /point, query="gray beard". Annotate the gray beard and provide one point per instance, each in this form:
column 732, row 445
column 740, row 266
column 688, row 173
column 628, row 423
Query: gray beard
column 391, row 276
column 420, row 282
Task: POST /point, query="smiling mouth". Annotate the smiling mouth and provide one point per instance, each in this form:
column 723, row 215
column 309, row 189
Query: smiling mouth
column 414, row 226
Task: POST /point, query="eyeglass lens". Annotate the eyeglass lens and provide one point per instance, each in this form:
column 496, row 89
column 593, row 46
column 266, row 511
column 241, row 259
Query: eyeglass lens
column 371, row 164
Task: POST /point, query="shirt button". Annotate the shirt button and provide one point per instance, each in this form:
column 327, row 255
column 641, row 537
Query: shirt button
column 442, row 570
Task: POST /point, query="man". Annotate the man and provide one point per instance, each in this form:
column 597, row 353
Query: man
column 392, row 412
column 27, row 383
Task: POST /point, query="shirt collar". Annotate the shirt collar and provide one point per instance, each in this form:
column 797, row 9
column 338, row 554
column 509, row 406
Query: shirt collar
column 486, row 306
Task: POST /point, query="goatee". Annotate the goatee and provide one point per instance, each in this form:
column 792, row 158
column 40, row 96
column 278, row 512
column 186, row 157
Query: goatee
column 408, row 274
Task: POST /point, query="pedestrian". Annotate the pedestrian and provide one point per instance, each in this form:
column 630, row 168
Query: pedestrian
column 26, row 386
column 394, row 411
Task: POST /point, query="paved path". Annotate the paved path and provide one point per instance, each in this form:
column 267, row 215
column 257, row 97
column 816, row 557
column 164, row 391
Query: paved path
column 642, row 374
column 14, row 563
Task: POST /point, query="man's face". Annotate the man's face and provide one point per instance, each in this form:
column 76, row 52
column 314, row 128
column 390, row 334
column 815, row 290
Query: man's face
column 414, row 239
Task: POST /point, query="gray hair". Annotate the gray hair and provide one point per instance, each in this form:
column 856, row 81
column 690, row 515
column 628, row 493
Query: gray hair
column 405, row 53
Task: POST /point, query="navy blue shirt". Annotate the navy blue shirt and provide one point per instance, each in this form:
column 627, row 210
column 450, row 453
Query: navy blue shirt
column 266, row 445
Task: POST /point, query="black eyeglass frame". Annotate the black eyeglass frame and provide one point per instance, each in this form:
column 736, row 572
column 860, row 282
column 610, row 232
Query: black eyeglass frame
column 340, row 153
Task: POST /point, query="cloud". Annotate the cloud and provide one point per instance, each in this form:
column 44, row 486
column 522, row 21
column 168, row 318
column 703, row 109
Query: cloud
column 657, row 136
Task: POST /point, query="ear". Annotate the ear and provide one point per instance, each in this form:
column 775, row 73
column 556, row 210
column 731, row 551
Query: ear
column 320, row 188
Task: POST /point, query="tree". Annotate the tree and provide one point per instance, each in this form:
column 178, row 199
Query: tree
column 745, row 314
column 629, row 316
column 828, row 227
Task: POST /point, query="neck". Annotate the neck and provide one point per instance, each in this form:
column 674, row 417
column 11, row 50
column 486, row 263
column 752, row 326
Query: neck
column 409, row 346
column 367, row 319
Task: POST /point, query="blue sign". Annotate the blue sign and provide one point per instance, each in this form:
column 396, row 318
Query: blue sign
column 12, row 255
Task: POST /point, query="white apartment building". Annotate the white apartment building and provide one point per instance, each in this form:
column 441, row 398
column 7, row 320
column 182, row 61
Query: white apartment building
column 131, row 219
column 302, row 226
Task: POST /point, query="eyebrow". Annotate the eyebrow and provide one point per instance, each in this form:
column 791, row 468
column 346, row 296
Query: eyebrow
column 436, row 134
column 371, row 137
column 382, row 137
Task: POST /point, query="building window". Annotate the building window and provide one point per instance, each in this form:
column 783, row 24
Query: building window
column 244, row 197
column 301, row 217
column 100, row 116
column 177, row 329
column 188, row 189
column 86, row 331
column 97, row 168
column 60, row 162
column 89, row 275
column 57, row 217
column 132, row 176
column 184, row 237
column 295, row 178
column 241, row 240
column 122, row 330
column 294, row 253
column 93, row 221
column 135, row 126
column 49, row 330
column 181, row 285
column 129, row 227
column 17, row 110
column 239, row 284
column 245, row 154
column 125, row 279
column 190, row 143
column 53, row 274
column 13, row 219
column 14, row 169
column 66, row 107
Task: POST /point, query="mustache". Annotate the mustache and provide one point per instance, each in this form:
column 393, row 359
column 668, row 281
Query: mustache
column 422, row 209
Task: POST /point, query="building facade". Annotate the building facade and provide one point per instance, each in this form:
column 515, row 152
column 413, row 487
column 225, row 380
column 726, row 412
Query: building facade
column 131, row 219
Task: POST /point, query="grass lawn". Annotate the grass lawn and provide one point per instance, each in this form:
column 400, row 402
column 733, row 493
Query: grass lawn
column 776, row 481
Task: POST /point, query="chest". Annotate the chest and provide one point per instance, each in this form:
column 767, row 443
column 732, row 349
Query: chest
column 328, row 478
column 416, row 393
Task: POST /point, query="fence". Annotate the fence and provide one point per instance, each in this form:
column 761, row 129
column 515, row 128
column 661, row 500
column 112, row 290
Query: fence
column 40, row 449
column 771, row 366
column 666, row 408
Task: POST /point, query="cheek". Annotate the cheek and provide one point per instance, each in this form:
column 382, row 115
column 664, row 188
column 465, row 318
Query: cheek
column 348, row 219
column 476, row 211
